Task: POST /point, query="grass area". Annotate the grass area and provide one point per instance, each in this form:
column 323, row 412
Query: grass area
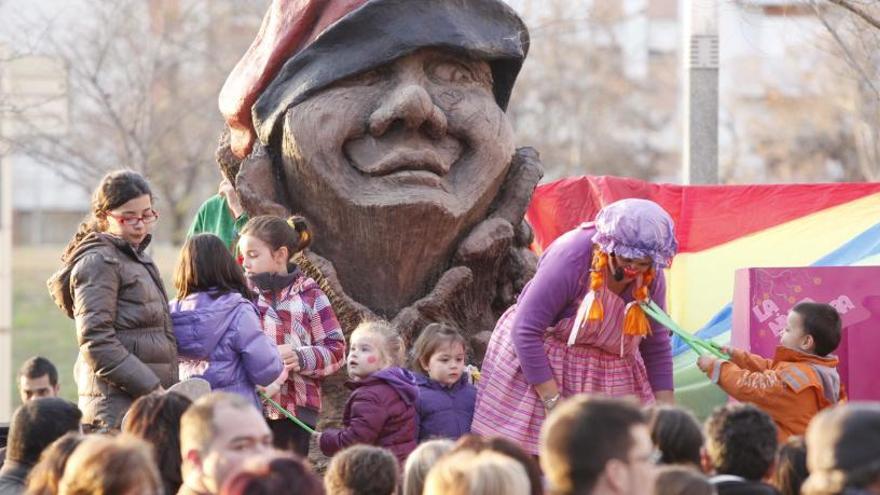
column 39, row 327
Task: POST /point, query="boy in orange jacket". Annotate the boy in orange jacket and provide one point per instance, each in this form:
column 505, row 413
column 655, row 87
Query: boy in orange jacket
column 799, row 381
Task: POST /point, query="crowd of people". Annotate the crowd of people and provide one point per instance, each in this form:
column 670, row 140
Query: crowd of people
column 218, row 390
column 222, row 444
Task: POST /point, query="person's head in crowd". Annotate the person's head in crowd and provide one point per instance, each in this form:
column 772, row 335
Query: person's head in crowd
column 275, row 474
column 122, row 197
column 477, row 473
column 440, row 353
column 597, row 445
column 374, row 345
column 45, row 478
column 218, row 433
column 111, row 465
column 682, row 480
column 791, row 466
column 420, row 462
column 741, row 441
column 206, row 265
column 155, row 418
column 268, row 243
column 510, row 449
column 38, row 423
column 677, row 434
column 843, row 451
column 37, row 378
column 362, row 470
column 813, row 328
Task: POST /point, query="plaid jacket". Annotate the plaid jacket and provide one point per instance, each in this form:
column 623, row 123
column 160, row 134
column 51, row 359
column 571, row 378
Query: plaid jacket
column 301, row 315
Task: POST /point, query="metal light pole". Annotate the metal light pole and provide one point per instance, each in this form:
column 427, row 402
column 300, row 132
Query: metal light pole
column 700, row 149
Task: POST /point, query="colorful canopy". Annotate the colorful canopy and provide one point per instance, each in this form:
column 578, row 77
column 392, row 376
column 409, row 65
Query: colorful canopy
column 721, row 229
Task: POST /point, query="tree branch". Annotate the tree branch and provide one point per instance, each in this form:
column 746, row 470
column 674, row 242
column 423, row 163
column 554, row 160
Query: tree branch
column 861, row 13
column 851, row 59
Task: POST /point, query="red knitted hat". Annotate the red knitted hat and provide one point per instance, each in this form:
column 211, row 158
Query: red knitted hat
column 306, row 45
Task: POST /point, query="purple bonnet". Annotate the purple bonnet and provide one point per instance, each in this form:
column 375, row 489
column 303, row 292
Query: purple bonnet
column 636, row 228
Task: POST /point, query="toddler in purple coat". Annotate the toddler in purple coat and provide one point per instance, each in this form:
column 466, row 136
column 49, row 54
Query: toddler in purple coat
column 446, row 395
column 382, row 407
column 218, row 331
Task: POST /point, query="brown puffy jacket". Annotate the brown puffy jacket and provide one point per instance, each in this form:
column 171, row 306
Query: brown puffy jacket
column 126, row 341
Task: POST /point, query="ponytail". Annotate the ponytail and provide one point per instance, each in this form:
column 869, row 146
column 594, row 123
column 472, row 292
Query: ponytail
column 303, row 234
column 597, row 281
column 635, row 322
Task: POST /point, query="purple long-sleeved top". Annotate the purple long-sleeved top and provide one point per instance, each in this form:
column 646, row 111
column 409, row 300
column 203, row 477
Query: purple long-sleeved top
column 556, row 291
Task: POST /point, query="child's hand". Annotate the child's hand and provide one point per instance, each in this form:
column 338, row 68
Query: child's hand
column 723, row 348
column 705, row 362
column 272, row 389
column 289, row 357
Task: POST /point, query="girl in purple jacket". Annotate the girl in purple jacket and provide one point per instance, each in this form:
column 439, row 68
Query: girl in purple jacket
column 446, row 395
column 382, row 407
column 219, row 336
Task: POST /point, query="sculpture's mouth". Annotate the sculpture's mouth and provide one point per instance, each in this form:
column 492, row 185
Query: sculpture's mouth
column 404, row 157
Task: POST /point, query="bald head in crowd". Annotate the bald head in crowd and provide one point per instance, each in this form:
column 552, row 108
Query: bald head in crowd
column 218, row 434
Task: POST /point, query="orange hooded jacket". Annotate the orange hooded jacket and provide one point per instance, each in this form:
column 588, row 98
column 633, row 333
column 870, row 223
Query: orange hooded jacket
column 792, row 387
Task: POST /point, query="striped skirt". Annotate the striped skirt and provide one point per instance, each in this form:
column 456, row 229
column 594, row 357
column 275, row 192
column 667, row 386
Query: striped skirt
column 509, row 407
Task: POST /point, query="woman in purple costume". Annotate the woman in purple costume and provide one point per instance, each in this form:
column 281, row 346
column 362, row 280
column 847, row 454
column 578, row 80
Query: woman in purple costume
column 577, row 326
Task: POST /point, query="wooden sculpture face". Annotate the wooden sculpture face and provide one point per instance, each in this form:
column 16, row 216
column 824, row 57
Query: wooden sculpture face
column 394, row 166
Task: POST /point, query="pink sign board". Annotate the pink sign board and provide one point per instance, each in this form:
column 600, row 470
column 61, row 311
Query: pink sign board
column 763, row 297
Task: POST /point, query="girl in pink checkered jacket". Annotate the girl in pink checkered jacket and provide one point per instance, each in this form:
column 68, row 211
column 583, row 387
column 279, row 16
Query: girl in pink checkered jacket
column 297, row 316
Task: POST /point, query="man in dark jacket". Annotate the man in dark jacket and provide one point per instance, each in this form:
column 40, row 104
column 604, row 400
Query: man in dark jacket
column 34, row 426
column 37, row 378
column 740, row 449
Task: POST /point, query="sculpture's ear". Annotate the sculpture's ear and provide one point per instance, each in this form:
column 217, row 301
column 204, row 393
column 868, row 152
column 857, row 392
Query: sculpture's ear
column 258, row 185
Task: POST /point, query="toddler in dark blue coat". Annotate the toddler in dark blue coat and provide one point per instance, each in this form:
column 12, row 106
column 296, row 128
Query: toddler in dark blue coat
column 446, row 395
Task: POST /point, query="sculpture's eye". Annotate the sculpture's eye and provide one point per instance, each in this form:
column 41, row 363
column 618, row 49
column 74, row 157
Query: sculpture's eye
column 368, row 78
column 453, row 72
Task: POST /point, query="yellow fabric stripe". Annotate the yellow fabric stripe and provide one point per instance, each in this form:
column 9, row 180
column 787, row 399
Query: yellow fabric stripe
column 700, row 284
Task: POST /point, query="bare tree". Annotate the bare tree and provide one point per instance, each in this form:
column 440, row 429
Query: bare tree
column 576, row 104
column 143, row 81
column 818, row 115
column 857, row 38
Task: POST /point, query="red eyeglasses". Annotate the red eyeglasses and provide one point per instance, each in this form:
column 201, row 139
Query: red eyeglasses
column 131, row 221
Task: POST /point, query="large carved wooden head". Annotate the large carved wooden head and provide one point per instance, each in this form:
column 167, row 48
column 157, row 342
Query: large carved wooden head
column 378, row 118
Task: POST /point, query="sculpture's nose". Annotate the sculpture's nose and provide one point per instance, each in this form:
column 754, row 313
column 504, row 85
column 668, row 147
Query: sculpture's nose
column 410, row 106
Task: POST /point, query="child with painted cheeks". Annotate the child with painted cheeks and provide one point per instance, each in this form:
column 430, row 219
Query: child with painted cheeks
column 296, row 315
column 446, row 394
column 382, row 407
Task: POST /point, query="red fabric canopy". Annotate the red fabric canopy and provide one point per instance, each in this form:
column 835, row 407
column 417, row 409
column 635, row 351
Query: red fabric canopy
column 705, row 216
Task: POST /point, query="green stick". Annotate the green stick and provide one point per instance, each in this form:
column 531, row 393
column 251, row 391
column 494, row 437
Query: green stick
column 287, row 413
column 700, row 346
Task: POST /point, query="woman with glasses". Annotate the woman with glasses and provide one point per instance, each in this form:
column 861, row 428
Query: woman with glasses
column 112, row 289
